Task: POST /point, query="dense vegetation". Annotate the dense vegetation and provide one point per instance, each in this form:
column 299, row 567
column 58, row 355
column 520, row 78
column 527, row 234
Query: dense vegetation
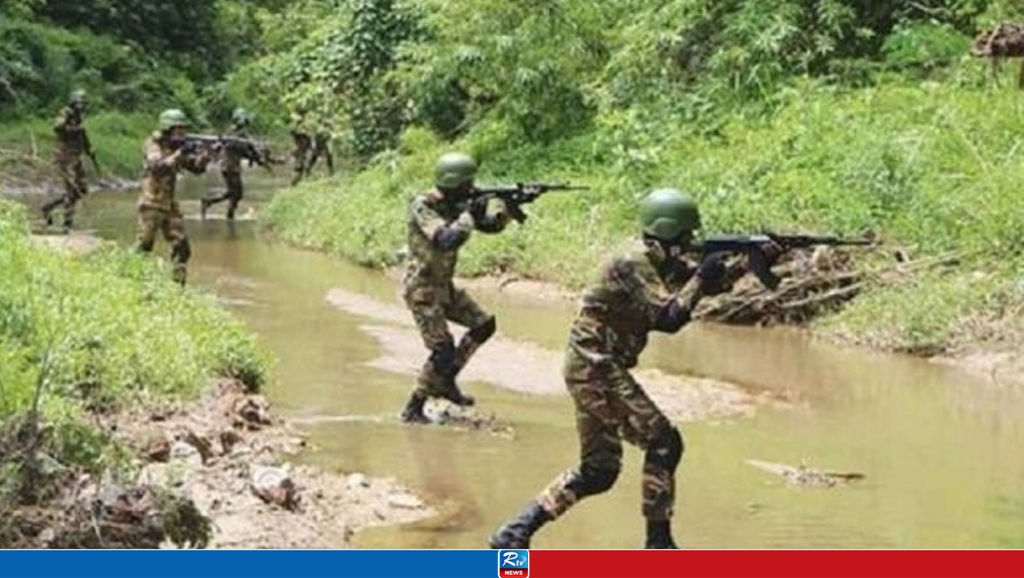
column 839, row 116
column 133, row 57
column 836, row 116
column 101, row 332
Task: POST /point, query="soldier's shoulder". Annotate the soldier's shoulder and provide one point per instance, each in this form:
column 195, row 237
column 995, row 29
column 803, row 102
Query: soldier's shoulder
column 427, row 199
column 628, row 259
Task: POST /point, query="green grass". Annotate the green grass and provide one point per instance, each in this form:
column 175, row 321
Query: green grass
column 105, row 331
column 26, row 146
column 930, row 167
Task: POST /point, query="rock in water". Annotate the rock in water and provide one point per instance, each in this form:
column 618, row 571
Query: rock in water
column 275, row 486
column 405, row 501
column 356, row 481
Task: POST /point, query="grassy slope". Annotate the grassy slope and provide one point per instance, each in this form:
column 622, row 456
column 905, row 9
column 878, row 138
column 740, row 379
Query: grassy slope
column 26, row 146
column 107, row 329
column 933, row 168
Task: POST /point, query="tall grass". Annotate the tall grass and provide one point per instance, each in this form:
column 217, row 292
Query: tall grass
column 931, row 168
column 110, row 329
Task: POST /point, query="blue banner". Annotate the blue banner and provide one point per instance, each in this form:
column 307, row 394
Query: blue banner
column 249, row 564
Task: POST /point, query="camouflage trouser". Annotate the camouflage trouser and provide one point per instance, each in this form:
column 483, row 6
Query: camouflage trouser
column 233, row 194
column 299, row 160
column 432, row 307
column 611, row 406
column 72, row 173
column 171, row 224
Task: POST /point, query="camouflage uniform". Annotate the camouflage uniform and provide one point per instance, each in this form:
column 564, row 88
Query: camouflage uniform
column 605, row 342
column 231, row 170
column 303, row 145
column 72, row 143
column 430, row 293
column 158, row 209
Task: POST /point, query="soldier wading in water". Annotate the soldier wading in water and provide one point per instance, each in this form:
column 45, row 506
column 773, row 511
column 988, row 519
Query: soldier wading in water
column 166, row 154
column 440, row 222
column 72, row 143
column 649, row 288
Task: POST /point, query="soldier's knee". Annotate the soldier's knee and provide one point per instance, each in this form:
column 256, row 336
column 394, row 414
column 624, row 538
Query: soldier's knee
column 592, row 481
column 481, row 333
column 145, row 246
column 666, row 450
column 443, row 354
column 181, row 252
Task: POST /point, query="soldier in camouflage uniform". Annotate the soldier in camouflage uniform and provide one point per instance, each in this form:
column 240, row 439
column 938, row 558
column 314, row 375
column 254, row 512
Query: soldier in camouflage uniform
column 649, row 288
column 230, row 167
column 440, row 222
column 72, row 143
column 165, row 155
column 303, row 145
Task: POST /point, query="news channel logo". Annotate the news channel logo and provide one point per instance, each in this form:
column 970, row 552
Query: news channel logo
column 513, row 563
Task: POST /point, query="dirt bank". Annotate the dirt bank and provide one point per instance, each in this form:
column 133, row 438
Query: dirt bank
column 208, row 473
column 527, row 368
column 221, row 450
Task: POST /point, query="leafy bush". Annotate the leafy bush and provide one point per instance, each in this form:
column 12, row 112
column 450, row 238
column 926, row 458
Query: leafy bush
column 106, row 329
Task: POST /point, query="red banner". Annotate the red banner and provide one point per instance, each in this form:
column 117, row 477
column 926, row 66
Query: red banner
column 775, row 564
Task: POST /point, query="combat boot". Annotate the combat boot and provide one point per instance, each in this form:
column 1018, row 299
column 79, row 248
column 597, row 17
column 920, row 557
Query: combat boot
column 450, row 391
column 515, row 533
column 413, row 412
column 659, row 536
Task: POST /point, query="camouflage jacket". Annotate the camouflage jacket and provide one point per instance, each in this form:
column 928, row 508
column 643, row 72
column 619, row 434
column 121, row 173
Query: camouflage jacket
column 231, row 157
column 161, row 166
column 429, row 214
column 626, row 302
column 70, row 131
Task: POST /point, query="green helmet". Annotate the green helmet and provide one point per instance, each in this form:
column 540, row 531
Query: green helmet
column 667, row 213
column 171, row 118
column 78, row 97
column 240, row 116
column 454, row 169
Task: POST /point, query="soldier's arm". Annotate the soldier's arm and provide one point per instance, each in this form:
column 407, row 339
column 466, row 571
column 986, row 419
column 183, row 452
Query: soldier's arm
column 157, row 160
column 444, row 236
column 86, row 143
column 61, row 123
column 665, row 312
column 196, row 162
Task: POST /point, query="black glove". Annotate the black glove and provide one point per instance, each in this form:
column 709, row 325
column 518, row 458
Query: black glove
column 711, row 274
column 190, row 147
column 478, row 208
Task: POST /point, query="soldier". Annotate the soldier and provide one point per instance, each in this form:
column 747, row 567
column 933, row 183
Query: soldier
column 650, row 288
column 321, row 146
column 303, row 144
column 440, row 222
column 72, row 142
column 165, row 155
column 231, row 167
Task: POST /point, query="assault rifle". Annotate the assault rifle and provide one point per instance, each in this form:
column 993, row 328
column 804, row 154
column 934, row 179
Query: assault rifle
column 255, row 152
column 515, row 196
column 753, row 247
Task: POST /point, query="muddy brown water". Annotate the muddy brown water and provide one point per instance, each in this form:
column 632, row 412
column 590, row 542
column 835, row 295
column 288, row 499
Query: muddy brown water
column 941, row 452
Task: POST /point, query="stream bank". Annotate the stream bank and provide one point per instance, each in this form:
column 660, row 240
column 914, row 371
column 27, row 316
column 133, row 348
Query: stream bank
column 938, row 450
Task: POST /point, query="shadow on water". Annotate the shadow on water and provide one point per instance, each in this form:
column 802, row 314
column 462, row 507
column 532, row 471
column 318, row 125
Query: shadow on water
column 941, row 453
